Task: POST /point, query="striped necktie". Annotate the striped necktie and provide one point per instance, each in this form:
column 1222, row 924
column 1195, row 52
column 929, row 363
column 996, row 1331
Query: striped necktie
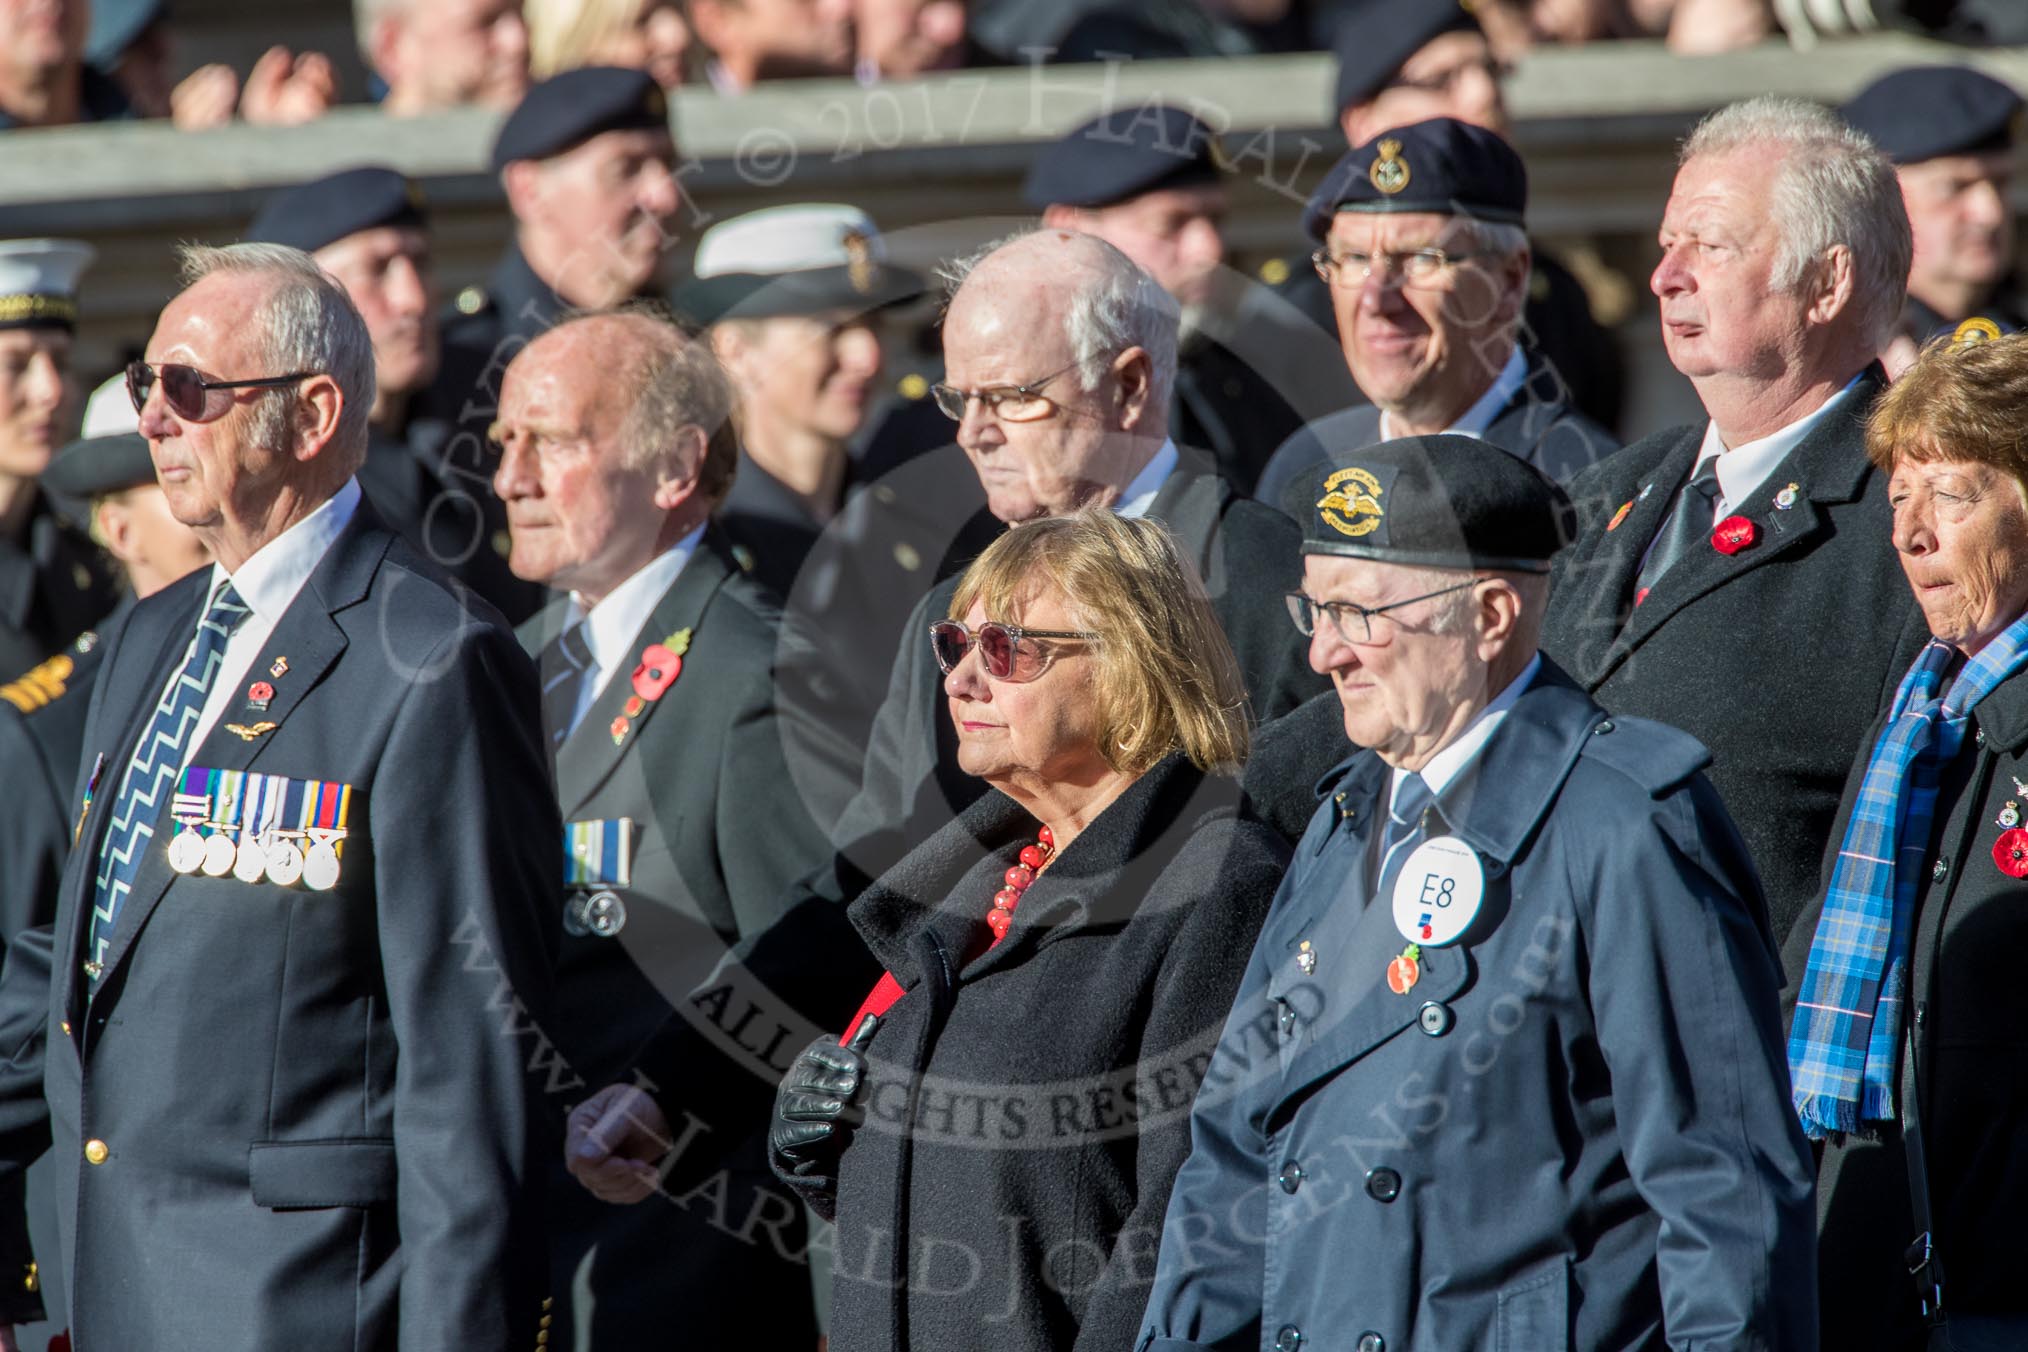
column 564, row 666
column 1404, row 824
column 157, row 757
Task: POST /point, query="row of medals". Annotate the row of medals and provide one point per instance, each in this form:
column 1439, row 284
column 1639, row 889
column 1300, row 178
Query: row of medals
column 280, row 860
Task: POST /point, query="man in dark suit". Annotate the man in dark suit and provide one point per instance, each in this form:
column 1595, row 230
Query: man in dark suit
column 1428, row 267
column 298, row 946
column 1737, row 578
column 684, row 828
column 588, row 166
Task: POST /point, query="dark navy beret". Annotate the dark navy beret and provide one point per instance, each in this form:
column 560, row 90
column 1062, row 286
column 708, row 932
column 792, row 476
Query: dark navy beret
column 116, row 24
column 326, row 210
column 1123, row 154
column 1373, row 40
column 1447, row 501
column 1925, row 111
column 575, row 106
column 91, row 466
column 1441, row 165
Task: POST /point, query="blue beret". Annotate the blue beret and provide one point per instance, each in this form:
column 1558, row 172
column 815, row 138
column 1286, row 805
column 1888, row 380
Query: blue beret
column 1373, row 39
column 94, row 465
column 575, row 106
column 116, row 24
column 1447, row 501
column 1123, row 154
column 1925, row 111
column 1442, row 165
column 326, row 210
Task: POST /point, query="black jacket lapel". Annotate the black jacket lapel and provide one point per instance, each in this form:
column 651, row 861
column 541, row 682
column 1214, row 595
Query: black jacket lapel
column 1596, row 587
column 592, row 751
column 1824, row 471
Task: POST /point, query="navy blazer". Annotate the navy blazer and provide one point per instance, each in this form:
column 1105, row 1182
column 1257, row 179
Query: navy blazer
column 297, row 1119
column 1573, row 1132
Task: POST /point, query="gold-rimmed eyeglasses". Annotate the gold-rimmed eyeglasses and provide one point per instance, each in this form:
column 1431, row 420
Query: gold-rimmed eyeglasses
column 1008, row 403
column 1413, row 267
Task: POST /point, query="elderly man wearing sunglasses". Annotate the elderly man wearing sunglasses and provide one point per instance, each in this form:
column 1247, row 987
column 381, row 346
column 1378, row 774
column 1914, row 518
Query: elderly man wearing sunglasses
column 315, row 856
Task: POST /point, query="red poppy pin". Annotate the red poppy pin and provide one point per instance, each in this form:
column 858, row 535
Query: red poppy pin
column 2010, row 852
column 260, row 692
column 659, row 666
column 1733, row 534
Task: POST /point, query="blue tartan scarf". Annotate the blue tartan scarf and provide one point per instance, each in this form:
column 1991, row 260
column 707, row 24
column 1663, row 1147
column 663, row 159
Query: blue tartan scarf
column 1844, row 1045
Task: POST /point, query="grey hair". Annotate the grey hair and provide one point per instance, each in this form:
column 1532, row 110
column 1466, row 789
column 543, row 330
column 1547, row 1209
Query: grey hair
column 1832, row 186
column 675, row 382
column 307, row 323
column 1116, row 305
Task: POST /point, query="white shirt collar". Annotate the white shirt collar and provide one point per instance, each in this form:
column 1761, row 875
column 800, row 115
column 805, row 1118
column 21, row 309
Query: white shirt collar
column 1476, row 419
column 1742, row 469
column 1140, row 494
column 1446, row 765
column 615, row 622
column 270, row 579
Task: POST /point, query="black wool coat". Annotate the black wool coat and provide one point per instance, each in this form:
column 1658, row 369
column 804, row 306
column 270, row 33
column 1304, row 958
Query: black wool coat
column 1971, row 931
column 1776, row 658
column 1027, row 1109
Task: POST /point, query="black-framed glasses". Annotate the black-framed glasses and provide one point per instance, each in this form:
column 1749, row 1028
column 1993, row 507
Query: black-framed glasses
column 1415, row 267
column 1009, row 403
column 1009, row 651
column 1352, row 621
column 187, row 390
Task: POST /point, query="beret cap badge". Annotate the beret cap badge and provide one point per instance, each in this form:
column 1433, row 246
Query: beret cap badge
column 1351, row 502
column 1974, row 331
column 1390, row 172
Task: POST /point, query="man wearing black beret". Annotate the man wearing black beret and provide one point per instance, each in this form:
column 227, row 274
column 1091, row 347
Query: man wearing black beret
column 589, row 168
column 369, row 228
column 1510, row 1031
column 53, row 583
column 1149, row 180
column 1951, row 132
column 1423, row 248
column 1405, row 61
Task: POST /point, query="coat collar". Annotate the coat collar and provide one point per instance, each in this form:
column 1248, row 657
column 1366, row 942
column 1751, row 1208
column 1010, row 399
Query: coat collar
column 1829, row 468
column 1101, row 881
column 310, row 639
column 592, row 752
column 2003, row 715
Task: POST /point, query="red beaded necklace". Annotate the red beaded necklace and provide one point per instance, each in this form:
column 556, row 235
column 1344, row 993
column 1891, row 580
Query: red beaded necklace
column 1017, row 879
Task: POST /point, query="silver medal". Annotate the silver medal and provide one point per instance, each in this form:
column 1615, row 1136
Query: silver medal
column 605, row 914
column 186, row 851
column 219, row 856
column 250, row 864
column 285, row 863
column 320, row 867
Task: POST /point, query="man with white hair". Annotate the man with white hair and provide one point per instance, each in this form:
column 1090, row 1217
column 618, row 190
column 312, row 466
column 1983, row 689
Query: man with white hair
column 302, row 928
column 1737, row 578
column 437, row 54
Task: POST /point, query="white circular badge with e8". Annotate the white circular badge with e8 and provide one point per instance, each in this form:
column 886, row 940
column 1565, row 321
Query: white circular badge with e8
column 1438, row 892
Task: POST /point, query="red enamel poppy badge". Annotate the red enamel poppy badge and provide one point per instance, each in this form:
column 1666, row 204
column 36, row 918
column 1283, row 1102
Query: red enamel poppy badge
column 1733, row 534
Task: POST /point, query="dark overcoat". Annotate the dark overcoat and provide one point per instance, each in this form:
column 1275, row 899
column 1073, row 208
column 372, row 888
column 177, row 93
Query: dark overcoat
column 54, row 584
column 719, row 833
column 1027, row 1106
column 1776, row 657
column 1572, row 1131
column 300, row 1119
column 1971, row 1010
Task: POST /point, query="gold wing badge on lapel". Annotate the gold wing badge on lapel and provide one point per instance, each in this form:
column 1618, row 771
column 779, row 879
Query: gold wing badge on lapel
column 247, row 734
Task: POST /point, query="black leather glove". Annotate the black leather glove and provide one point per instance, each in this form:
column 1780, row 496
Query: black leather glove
column 815, row 1112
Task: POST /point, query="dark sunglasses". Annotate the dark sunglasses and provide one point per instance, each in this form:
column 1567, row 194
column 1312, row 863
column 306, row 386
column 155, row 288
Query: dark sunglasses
column 1008, row 650
column 187, row 392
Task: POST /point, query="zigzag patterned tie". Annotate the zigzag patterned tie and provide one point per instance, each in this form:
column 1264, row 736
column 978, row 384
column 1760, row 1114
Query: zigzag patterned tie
column 157, row 757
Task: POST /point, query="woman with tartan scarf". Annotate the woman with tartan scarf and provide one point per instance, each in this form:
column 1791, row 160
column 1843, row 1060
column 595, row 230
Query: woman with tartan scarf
column 1909, row 1037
